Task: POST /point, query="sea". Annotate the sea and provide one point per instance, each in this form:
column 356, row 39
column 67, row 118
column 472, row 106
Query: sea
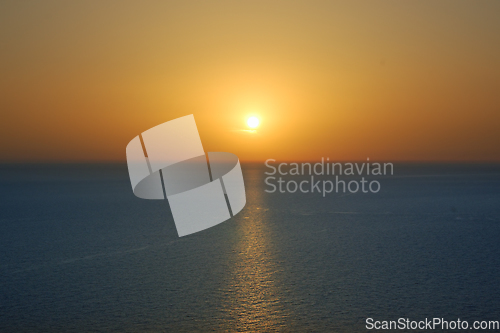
column 80, row 253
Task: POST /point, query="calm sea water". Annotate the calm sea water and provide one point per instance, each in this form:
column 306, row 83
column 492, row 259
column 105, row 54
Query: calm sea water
column 80, row 253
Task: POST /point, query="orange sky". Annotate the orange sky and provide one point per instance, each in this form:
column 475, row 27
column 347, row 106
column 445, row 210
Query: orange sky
column 389, row 80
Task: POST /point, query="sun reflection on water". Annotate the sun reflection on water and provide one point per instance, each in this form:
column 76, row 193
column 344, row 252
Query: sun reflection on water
column 255, row 287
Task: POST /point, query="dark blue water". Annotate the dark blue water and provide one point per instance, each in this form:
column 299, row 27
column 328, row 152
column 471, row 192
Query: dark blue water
column 80, row 253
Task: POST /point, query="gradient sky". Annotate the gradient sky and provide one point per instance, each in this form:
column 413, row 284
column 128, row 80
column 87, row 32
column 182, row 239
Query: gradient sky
column 389, row 80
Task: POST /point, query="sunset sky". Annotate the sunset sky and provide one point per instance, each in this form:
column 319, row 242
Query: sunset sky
column 388, row 80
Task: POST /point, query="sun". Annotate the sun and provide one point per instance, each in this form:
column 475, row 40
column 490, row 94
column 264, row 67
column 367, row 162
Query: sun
column 253, row 122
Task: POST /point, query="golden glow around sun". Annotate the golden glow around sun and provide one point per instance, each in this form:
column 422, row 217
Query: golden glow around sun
column 253, row 122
